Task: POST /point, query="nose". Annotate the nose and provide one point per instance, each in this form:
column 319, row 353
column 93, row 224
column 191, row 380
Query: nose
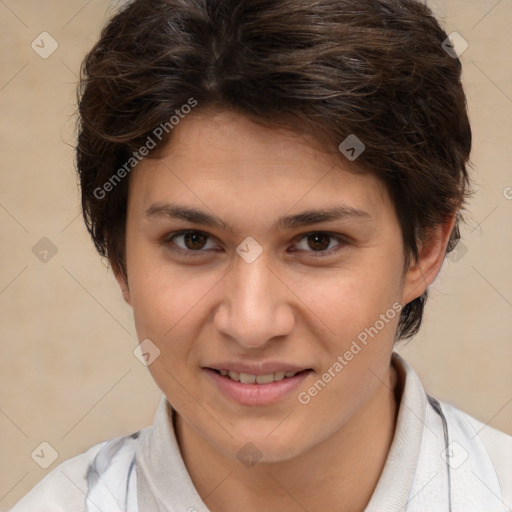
column 255, row 304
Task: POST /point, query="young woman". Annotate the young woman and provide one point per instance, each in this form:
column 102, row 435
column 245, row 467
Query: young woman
column 276, row 183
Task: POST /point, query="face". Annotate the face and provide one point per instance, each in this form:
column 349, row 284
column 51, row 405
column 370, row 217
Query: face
column 228, row 273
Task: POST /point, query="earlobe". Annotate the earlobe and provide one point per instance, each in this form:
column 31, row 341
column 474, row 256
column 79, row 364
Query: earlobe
column 126, row 296
column 123, row 284
column 431, row 254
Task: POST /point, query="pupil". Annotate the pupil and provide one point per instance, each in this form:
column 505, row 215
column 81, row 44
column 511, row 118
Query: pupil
column 318, row 238
column 194, row 240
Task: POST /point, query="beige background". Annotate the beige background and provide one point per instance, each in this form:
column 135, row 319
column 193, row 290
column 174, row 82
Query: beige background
column 69, row 376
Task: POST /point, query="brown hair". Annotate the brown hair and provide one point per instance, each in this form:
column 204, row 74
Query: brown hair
column 373, row 68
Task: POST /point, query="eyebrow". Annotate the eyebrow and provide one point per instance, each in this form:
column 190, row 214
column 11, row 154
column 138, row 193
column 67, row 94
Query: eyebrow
column 305, row 218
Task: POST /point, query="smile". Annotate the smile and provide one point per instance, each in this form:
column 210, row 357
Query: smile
column 256, row 390
column 247, row 378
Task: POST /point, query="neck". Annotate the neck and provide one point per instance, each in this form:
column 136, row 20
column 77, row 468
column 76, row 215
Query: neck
column 344, row 469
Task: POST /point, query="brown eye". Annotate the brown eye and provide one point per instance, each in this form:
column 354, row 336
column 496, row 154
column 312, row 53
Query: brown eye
column 194, row 241
column 189, row 242
column 319, row 241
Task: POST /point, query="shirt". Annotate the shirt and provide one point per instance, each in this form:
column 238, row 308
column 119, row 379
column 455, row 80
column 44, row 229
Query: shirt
column 441, row 460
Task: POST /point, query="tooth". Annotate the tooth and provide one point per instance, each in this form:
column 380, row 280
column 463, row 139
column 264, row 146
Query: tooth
column 245, row 378
column 265, row 379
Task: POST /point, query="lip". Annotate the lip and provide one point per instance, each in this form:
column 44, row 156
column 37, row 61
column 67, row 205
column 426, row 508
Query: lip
column 257, row 394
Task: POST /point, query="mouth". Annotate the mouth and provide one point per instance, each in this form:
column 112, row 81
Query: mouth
column 262, row 389
column 267, row 378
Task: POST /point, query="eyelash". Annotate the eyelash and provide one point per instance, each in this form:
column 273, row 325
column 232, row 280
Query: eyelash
column 169, row 241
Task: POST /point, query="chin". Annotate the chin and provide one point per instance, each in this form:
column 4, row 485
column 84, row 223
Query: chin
column 264, row 448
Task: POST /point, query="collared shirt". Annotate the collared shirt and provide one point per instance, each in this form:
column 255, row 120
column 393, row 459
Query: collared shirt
column 440, row 460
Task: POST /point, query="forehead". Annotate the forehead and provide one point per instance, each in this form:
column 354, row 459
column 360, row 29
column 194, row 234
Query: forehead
column 223, row 156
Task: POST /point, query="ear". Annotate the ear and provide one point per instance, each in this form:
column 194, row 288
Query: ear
column 431, row 254
column 123, row 284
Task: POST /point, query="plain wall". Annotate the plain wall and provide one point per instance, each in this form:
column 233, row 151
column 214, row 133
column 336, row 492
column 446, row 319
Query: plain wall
column 69, row 376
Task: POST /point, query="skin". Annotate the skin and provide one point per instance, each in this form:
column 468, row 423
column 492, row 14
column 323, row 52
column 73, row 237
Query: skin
column 289, row 305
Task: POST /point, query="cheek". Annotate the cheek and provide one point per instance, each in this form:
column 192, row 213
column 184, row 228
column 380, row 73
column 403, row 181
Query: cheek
column 164, row 295
column 361, row 310
column 347, row 302
column 167, row 310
